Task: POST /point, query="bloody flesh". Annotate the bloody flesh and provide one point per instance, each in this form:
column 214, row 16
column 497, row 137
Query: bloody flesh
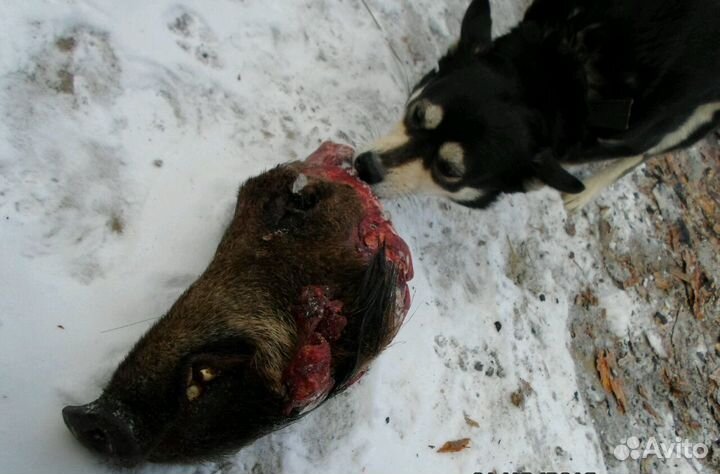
column 320, row 322
column 319, row 317
column 333, row 162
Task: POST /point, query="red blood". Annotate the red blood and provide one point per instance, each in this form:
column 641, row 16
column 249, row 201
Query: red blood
column 319, row 321
column 317, row 313
column 308, row 375
column 333, row 162
column 332, row 327
column 318, row 316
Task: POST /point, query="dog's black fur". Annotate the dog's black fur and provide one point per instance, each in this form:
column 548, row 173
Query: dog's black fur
column 575, row 81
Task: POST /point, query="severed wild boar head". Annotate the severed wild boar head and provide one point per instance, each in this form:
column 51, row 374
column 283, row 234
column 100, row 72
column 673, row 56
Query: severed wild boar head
column 307, row 286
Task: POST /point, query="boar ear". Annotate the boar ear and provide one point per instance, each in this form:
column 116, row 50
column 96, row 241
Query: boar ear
column 475, row 33
column 376, row 309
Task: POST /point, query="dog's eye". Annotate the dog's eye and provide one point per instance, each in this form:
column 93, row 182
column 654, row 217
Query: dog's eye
column 416, row 116
column 448, row 170
column 449, row 163
column 425, row 115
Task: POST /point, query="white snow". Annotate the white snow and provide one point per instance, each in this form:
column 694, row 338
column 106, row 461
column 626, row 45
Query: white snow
column 120, row 157
column 656, row 344
column 299, row 184
column 619, row 310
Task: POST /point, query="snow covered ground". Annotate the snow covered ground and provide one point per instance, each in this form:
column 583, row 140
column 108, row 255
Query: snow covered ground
column 125, row 130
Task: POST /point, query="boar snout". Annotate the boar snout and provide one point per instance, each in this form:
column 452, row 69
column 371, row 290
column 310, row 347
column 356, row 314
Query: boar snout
column 105, row 428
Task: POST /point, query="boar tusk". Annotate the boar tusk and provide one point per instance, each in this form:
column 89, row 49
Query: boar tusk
column 192, row 392
column 208, row 374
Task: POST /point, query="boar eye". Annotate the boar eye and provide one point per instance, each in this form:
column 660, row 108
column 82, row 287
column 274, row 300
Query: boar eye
column 226, row 359
column 198, row 378
column 304, row 201
column 299, row 204
column 288, row 210
column 304, row 195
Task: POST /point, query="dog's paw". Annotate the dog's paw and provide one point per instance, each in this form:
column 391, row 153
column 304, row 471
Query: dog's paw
column 575, row 202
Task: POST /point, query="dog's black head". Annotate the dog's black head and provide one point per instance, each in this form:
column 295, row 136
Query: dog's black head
column 468, row 132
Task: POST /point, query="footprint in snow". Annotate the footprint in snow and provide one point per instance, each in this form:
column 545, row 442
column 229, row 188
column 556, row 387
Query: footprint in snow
column 194, row 36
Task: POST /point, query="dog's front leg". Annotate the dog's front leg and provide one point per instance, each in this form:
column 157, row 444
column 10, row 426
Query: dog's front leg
column 601, row 180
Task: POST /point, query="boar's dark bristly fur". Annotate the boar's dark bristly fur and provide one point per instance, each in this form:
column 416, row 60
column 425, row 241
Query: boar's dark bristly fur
column 375, row 307
column 207, row 378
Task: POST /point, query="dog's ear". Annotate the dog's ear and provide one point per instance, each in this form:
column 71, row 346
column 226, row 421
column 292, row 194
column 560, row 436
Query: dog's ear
column 547, row 169
column 475, row 34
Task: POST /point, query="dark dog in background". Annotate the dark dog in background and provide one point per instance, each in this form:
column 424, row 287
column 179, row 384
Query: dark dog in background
column 576, row 81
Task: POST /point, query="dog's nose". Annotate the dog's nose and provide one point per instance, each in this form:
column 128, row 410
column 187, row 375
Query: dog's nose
column 103, row 432
column 369, row 167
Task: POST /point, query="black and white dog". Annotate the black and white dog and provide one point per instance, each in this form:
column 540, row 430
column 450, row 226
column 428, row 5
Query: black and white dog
column 575, row 81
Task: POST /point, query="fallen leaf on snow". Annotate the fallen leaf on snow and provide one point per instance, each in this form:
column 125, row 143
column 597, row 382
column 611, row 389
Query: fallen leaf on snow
column 454, row 446
column 586, row 299
column 471, row 422
column 678, row 386
column 613, row 385
column 661, row 282
column 517, row 398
